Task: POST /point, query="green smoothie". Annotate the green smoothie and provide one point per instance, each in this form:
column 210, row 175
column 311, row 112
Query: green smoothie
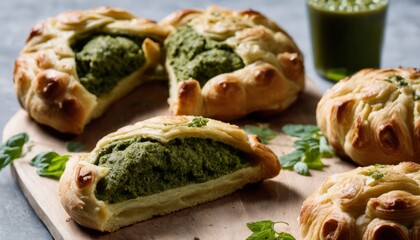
column 346, row 35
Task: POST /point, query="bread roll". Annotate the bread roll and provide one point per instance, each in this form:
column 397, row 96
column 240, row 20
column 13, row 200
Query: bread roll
column 160, row 165
column 75, row 65
column 226, row 64
column 368, row 203
column 374, row 116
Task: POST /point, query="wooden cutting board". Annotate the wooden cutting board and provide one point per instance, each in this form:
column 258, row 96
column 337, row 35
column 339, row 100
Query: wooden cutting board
column 277, row 199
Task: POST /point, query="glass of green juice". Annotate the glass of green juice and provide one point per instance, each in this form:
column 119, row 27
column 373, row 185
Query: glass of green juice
column 347, row 35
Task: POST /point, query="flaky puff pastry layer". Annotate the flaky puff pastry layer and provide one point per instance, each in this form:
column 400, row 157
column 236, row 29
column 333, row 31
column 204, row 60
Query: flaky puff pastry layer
column 270, row 82
column 45, row 76
column 78, row 183
column 369, row 203
column 374, row 116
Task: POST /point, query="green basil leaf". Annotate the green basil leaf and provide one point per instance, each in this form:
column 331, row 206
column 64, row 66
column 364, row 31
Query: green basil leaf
column 289, row 160
column 311, row 144
column 318, row 165
column 312, row 154
column 264, row 229
column 5, row 160
column 12, row 149
column 325, row 149
column 13, row 152
column 301, row 131
column 266, row 234
column 17, row 140
column 262, row 131
column 75, row 147
column 301, row 168
column 42, row 158
column 285, row 236
column 50, row 164
column 260, row 225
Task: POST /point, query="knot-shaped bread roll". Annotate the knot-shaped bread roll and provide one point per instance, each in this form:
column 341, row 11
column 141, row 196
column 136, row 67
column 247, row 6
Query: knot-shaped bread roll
column 374, row 116
column 226, row 64
column 370, row 203
column 75, row 65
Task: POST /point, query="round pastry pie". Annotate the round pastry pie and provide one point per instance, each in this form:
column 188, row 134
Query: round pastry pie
column 226, row 64
column 374, row 116
column 160, row 165
column 75, row 65
column 368, row 203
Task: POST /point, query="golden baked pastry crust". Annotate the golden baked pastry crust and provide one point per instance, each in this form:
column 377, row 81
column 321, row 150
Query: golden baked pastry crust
column 78, row 183
column 374, row 116
column 45, row 75
column 271, row 80
column 368, row 203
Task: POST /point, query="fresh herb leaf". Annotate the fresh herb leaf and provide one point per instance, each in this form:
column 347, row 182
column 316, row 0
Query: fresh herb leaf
column 263, row 230
column 75, row 147
column 17, row 140
column 301, row 131
column 376, row 175
column 198, row 122
column 399, row 80
column 50, row 164
column 289, row 160
column 301, row 168
column 262, row 131
column 325, row 148
column 310, row 146
column 260, row 225
column 12, row 149
column 285, row 236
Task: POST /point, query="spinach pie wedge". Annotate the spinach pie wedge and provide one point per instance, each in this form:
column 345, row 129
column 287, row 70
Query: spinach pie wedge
column 158, row 166
column 75, row 65
column 226, row 64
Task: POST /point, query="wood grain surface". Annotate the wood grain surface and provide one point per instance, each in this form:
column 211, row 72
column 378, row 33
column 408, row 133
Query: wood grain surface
column 277, row 199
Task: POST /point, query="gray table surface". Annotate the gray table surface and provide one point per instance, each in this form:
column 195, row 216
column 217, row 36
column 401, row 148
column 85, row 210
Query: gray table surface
column 17, row 219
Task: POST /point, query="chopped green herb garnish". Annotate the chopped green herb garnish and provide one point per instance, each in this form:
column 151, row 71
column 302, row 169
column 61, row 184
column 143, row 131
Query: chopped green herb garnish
column 12, row 149
column 262, row 131
column 50, row 164
column 376, row 175
column 75, row 147
column 264, row 229
column 198, row 122
column 309, row 148
column 400, row 81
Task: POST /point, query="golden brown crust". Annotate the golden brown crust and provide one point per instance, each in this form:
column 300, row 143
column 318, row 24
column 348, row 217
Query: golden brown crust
column 374, row 116
column 369, row 203
column 78, row 183
column 271, row 80
column 45, row 75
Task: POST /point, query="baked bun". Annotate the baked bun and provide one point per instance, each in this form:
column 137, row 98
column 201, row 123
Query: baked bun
column 370, row 203
column 160, row 165
column 374, row 116
column 75, row 65
column 226, row 64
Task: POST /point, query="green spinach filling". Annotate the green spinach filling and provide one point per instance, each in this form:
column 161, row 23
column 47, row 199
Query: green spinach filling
column 141, row 167
column 202, row 58
column 103, row 60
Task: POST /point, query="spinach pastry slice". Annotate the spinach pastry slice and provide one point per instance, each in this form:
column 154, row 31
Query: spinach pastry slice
column 75, row 65
column 158, row 166
column 226, row 64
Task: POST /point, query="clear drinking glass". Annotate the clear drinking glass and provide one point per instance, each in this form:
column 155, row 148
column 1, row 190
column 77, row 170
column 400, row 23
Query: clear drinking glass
column 346, row 35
